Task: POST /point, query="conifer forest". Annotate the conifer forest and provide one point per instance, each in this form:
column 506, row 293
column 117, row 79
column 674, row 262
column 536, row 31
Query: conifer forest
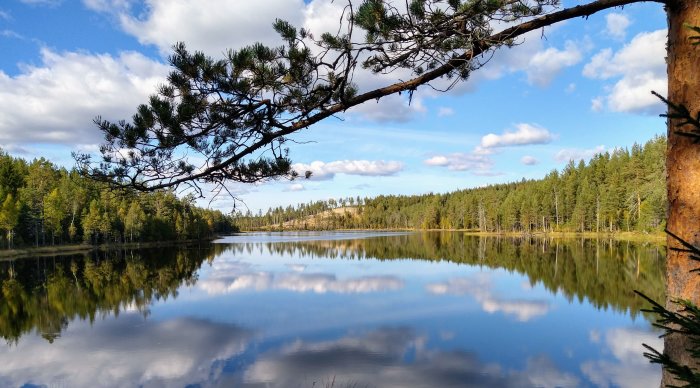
column 619, row 190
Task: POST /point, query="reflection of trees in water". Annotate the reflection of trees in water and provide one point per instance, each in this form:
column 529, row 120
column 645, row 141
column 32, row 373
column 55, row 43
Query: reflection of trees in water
column 44, row 294
column 605, row 272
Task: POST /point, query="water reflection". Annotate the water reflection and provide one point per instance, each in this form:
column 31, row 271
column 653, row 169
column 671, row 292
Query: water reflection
column 379, row 359
column 238, row 276
column 406, row 310
column 125, row 352
column 44, row 294
column 628, row 369
column 481, row 288
column 604, row 272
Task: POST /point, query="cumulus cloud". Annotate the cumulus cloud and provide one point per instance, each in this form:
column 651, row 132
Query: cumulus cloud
column 616, row 25
column 480, row 288
column 630, row 368
column 57, row 101
column 325, row 171
column 479, row 160
column 214, row 29
column 524, row 134
column 457, row 161
column 566, row 154
column 529, row 160
column 546, row 64
column 640, row 67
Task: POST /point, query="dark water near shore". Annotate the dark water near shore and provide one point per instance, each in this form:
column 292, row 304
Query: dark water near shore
column 335, row 309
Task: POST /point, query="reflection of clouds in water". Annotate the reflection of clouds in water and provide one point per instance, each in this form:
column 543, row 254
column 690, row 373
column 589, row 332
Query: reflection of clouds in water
column 116, row 354
column 297, row 267
column 377, row 359
column 223, row 285
column 234, row 277
column 322, row 283
column 631, row 368
column 480, row 288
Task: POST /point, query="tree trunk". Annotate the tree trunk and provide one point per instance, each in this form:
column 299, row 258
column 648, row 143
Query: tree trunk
column 682, row 167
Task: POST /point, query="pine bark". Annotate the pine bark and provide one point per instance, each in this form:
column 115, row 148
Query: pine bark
column 682, row 169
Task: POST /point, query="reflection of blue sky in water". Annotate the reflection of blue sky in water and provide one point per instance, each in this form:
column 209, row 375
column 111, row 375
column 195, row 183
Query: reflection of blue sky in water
column 279, row 320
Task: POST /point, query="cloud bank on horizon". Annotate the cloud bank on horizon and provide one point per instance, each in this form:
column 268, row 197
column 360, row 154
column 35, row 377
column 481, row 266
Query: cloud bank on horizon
column 530, row 109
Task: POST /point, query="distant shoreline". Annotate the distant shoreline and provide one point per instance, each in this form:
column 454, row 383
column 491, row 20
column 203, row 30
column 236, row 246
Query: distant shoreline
column 75, row 249
column 655, row 237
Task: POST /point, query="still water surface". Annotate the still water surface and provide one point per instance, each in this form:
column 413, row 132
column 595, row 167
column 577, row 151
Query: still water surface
column 335, row 309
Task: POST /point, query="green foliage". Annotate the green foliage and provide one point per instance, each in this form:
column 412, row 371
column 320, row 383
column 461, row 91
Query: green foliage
column 41, row 204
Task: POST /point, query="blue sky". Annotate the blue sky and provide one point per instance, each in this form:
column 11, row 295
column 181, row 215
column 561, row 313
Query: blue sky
column 566, row 92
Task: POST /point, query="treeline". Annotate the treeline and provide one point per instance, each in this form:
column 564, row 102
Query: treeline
column 41, row 204
column 622, row 190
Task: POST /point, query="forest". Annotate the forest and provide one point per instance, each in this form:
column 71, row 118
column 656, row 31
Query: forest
column 42, row 204
column 620, row 190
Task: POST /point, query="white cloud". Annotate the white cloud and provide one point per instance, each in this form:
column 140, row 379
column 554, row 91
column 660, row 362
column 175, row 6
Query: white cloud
column 445, row 111
column 633, row 93
column 5, row 15
column 478, row 164
column 324, row 171
column 296, row 187
column 529, row 160
column 616, row 25
column 570, row 88
column 597, row 104
column 479, row 161
column 56, row 102
column 640, row 66
column 566, row 154
column 480, row 288
column 524, row 134
column 438, row 160
column 215, row 28
column 545, row 65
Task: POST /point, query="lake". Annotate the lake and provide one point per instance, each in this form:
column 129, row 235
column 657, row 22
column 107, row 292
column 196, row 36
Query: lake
column 350, row 309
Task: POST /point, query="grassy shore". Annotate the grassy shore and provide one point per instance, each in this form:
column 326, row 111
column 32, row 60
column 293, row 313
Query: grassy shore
column 74, row 249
